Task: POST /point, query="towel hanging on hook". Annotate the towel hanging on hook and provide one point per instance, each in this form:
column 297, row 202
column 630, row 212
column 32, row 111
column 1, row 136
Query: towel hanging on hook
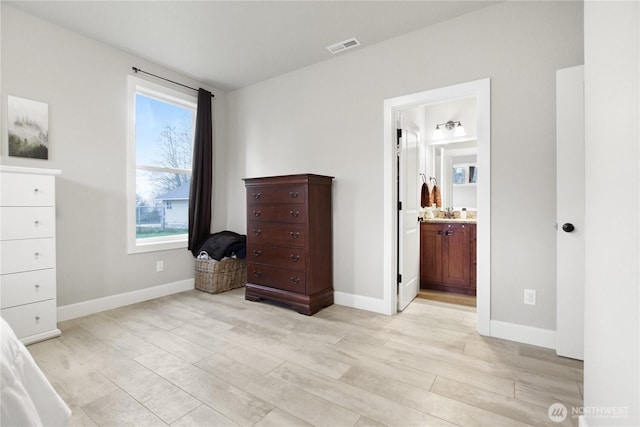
column 436, row 198
column 425, row 197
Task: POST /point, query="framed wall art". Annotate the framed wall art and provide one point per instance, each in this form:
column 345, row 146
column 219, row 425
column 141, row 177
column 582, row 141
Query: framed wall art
column 28, row 127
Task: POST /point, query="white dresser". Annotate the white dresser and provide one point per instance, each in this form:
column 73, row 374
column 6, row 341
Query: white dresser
column 28, row 252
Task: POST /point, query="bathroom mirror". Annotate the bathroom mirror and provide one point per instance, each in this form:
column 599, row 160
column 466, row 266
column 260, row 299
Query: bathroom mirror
column 452, row 159
column 439, row 153
column 456, row 167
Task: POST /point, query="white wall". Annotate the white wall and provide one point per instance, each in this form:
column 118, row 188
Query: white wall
column 85, row 85
column 612, row 155
column 328, row 119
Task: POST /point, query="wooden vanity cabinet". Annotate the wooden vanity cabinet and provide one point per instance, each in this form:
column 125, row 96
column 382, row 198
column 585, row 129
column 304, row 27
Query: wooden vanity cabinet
column 289, row 241
column 447, row 257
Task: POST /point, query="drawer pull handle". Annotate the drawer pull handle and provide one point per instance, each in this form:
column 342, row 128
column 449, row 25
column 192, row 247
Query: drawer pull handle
column 36, row 223
column 36, row 254
column 257, row 213
column 295, row 258
column 37, row 318
column 257, row 252
column 294, row 235
column 295, row 280
column 257, row 273
column 293, row 195
column 36, row 190
column 257, row 232
column 257, row 195
column 294, row 214
column 37, row 286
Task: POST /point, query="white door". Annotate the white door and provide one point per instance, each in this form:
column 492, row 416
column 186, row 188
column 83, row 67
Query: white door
column 570, row 212
column 408, row 226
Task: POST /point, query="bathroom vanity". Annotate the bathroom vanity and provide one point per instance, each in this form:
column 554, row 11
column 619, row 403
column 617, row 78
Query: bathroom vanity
column 448, row 255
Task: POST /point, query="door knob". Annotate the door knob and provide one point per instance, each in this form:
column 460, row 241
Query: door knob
column 568, row 227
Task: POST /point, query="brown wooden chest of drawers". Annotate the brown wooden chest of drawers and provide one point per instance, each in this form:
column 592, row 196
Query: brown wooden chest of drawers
column 289, row 241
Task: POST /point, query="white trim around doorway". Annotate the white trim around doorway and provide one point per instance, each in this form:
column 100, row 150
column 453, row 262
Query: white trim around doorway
column 481, row 89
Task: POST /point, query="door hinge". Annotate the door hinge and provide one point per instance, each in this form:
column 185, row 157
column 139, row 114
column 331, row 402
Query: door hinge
column 398, row 133
column 399, row 206
column 399, row 278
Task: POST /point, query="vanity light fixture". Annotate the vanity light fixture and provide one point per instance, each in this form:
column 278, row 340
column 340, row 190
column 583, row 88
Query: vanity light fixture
column 450, row 125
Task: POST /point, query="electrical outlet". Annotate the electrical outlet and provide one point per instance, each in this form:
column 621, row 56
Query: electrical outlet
column 530, row 296
column 159, row 266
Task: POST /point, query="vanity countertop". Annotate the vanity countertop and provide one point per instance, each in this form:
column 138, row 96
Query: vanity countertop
column 451, row 220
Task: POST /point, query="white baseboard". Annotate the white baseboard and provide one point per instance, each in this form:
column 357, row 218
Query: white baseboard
column 41, row 337
column 72, row 311
column 358, row 301
column 524, row 334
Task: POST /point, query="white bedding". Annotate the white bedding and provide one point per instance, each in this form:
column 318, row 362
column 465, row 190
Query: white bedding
column 27, row 398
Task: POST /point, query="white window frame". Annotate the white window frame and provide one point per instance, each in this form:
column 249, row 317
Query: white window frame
column 136, row 85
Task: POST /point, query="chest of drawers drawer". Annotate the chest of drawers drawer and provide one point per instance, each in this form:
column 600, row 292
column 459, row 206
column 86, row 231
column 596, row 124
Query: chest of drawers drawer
column 27, row 222
column 275, row 277
column 286, row 194
column 277, row 234
column 27, row 255
column 287, row 257
column 25, row 288
column 31, row 319
column 27, row 190
column 293, row 214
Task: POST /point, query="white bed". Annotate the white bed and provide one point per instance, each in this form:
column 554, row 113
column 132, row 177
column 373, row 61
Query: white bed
column 27, row 398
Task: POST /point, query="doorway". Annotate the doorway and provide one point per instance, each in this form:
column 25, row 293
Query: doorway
column 480, row 90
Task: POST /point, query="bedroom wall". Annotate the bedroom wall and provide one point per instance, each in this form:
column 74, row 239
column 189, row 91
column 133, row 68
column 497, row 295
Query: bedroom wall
column 612, row 291
column 328, row 119
column 85, row 85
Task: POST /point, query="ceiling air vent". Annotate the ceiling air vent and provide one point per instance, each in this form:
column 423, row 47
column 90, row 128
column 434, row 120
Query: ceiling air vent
column 343, row 45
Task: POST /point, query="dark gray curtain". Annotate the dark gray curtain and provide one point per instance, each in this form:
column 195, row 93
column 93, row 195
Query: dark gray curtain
column 201, row 176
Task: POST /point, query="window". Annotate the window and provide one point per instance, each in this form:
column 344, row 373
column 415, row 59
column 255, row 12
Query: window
column 160, row 147
column 458, row 174
column 464, row 174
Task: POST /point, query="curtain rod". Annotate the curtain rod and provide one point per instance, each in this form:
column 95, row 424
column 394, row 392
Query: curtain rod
column 138, row 70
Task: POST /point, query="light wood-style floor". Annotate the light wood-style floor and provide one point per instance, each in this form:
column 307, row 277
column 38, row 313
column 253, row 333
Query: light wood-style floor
column 450, row 297
column 195, row 359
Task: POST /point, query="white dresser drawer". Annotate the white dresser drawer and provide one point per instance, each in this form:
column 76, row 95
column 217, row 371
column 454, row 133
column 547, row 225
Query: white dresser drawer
column 25, row 255
column 31, row 319
column 25, row 288
column 18, row 189
column 27, row 222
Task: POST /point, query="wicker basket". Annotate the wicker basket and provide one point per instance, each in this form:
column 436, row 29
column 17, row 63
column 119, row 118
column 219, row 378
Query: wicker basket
column 218, row 276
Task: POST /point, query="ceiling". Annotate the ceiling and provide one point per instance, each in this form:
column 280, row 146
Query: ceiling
column 232, row 44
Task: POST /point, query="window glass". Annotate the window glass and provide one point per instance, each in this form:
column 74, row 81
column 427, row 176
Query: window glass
column 162, row 156
column 458, row 175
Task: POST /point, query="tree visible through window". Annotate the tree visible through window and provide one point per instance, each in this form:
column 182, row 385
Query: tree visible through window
column 163, row 150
